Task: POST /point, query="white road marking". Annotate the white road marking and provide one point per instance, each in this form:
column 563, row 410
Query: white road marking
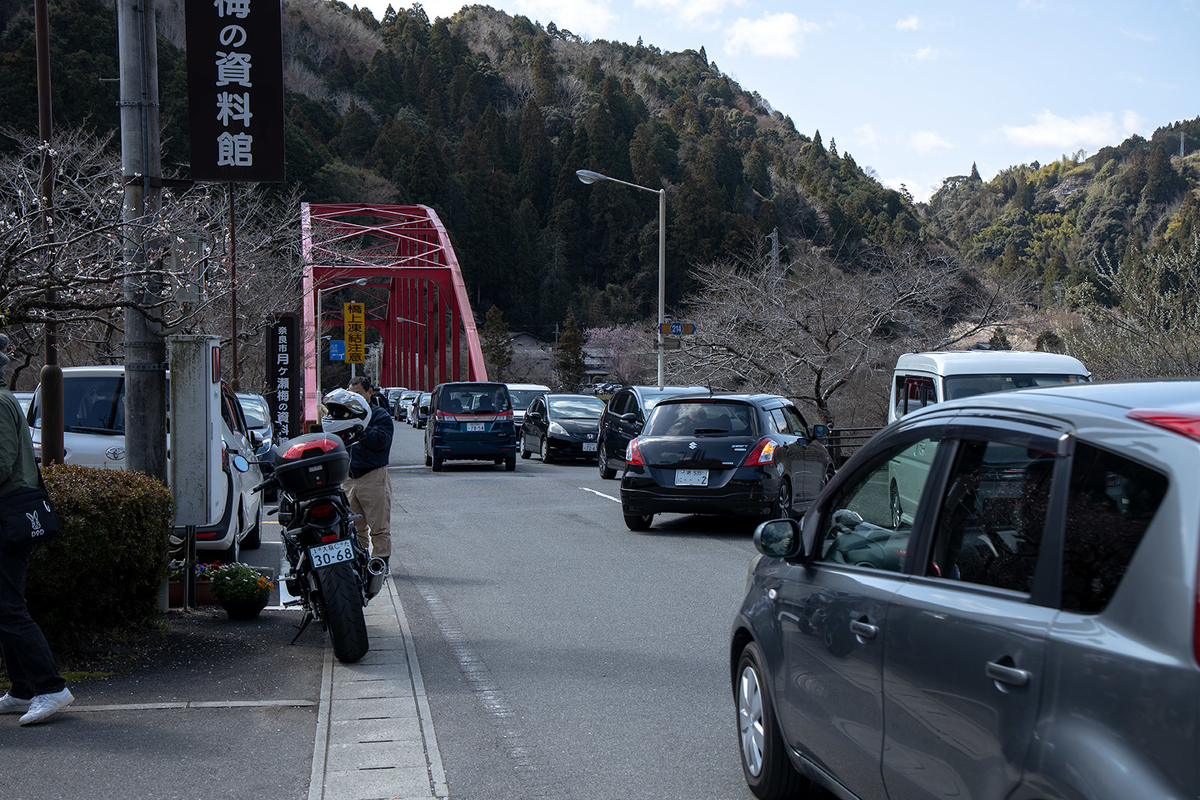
column 602, row 494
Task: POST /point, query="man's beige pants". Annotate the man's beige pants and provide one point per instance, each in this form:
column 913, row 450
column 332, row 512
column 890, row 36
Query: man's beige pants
column 371, row 496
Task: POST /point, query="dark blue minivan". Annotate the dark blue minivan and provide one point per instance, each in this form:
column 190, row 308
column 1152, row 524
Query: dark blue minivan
column 470, row 421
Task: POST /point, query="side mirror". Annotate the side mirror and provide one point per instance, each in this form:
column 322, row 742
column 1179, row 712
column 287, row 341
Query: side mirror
column 820, row 431
column 240, row 463
column 533, row 415
column 779, row 538
column 255, row 440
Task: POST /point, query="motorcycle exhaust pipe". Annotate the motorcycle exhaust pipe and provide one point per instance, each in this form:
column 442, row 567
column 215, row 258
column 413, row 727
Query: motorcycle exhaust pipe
column 376, row 572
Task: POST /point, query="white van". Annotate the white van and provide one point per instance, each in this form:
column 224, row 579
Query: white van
column 94, row 436
column 522, row 395
column 922, row 379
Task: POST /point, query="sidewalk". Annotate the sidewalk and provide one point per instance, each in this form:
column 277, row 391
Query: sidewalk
column 230, row 710
column 374, row 727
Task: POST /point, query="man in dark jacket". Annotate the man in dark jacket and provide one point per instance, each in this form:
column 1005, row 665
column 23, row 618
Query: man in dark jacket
column 369, row 487
column 37, row 689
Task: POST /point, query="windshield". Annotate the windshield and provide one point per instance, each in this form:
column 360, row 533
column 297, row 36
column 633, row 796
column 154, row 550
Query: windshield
column 701, row 418
column 577, row 408
column 959, row 386
column 521, row 398
column 94, row 404
column 475, row 398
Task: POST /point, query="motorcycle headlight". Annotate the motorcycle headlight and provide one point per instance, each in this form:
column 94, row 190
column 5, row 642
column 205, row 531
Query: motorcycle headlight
column 557, row 430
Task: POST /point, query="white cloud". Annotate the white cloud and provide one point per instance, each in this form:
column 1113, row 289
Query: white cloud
column 927, row 141
column 1145, row 37
column 692, row 13
column 778, row 35
column 908, row 23
column 1091, row 131
column 589, row 18
column 865, row 136
column 927, row 54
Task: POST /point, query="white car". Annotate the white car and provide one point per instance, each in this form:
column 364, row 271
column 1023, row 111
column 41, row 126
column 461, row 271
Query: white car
column 94, row 436
column 522, row 394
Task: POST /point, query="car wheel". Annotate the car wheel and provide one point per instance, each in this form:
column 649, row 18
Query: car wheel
column 546, row 457
column 436, row 463
column 606, row 472
column 525, row 451
column 253, row 539
column 510, row 464
column 769, row 773
column 638, row 522
column 897, row 508
column 782, row 507
column 428, row 460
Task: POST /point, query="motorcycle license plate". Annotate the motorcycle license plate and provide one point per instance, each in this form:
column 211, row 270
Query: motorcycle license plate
column 474, row 427
column 691, row 477
column 325, row 555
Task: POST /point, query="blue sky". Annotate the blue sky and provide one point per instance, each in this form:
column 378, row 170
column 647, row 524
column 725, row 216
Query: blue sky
column 919, row 91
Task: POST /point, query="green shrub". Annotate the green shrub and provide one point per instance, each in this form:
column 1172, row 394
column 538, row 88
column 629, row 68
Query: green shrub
column 105, row 570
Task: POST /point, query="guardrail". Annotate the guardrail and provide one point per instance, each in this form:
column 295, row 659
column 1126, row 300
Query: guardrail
column 843, row 442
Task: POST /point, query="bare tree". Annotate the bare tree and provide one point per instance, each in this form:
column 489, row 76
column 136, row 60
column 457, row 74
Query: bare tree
column 626, row 349
column 84, row 260
column 1153, row 330
column 810, row 328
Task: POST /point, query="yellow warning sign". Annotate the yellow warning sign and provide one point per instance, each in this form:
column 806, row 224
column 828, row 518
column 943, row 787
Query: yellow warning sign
column 355, row 322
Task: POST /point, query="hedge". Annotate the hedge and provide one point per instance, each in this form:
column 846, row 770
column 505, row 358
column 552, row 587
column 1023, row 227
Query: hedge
column 104, row 572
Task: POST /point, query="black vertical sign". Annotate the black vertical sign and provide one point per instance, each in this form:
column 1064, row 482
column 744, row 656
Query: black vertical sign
column 235, row 89
column 285, row 382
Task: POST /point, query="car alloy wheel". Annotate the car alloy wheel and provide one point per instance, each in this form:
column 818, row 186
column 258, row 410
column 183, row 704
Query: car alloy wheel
column 546, row 458
column 750, row 720
column 897, row 508
column 783, row 501
column 606, row 472
column 768, row 770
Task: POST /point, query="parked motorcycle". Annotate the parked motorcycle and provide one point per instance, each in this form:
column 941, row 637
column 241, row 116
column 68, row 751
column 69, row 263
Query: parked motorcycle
column 330, row 574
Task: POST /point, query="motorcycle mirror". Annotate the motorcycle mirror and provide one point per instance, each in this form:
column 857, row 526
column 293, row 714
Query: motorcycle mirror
column 240, row 463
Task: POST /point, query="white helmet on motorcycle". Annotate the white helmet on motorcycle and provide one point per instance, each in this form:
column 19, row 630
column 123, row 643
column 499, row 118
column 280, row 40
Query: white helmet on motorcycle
column 346, row 414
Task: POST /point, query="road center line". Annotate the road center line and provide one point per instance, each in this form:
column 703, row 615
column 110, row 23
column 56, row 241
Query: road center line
column 602, row 494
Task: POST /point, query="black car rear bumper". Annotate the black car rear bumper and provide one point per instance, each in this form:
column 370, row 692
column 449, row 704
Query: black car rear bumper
column 737, row 498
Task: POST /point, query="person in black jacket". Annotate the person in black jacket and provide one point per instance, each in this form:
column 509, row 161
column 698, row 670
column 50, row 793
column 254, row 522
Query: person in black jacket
column 369, row 488
column 38, row 690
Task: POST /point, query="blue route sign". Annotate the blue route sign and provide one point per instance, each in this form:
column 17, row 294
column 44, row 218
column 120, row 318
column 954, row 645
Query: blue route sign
column 677, row 328
column 337, row 350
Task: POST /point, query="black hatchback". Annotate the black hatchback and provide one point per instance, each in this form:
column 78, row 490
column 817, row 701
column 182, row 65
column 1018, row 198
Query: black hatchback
column 741, row 454
column 561, row 426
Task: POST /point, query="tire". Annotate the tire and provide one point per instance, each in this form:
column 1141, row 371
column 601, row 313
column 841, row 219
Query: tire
column 606, row 472
column 546, row 457
column 510, row 464
column 525, row 451
column 782, row 507
column 344, row 619
column 769, row 773
column 428, row 460
column 638, row 522
column 436, row 463
column 253, row 539
column 897, row 508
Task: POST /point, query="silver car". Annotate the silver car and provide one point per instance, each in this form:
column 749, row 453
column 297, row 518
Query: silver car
column 1027, row 627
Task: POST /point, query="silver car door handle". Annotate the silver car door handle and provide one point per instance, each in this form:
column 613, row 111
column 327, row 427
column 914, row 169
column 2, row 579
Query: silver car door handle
column 1009, row 675
column 864, row 629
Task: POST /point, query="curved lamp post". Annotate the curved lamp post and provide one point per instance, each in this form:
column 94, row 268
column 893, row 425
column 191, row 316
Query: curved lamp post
column 320, row 315
column 589, row 177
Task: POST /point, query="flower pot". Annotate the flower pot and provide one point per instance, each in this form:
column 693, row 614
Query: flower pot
column 244, row 609
column 204, row 595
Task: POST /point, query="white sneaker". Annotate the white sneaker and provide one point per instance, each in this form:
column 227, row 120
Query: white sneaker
column 13, row 705
column 43, row 705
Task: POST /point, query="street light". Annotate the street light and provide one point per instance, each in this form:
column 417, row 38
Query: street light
column 320, row 292
column 589, row 177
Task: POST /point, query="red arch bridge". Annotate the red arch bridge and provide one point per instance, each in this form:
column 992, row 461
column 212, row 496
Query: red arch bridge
column 398, row 262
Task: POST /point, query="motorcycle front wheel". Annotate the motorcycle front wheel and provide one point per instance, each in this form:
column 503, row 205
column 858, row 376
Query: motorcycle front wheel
column 342, row 598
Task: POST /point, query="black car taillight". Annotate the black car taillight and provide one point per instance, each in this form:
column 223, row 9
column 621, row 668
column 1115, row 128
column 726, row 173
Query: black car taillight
column 763, row 453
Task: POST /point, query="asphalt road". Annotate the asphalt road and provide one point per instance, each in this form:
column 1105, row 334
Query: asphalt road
column 566, row 656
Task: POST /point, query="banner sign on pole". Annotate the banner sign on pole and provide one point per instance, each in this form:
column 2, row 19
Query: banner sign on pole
column 235, row 89
column 355, row 316
column 285, row 382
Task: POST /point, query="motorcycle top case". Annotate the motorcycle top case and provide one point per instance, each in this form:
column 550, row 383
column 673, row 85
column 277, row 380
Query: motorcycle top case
column 311, row 465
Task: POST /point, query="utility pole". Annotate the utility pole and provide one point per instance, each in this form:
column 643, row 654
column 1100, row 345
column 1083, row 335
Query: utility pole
column 51, row 376
column 145, row 346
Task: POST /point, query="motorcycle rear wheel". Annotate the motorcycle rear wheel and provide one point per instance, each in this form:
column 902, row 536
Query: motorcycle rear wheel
column 344, row 619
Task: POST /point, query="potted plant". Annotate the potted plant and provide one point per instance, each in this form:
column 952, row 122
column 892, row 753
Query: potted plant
column 241, row 590
column 175, row 576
